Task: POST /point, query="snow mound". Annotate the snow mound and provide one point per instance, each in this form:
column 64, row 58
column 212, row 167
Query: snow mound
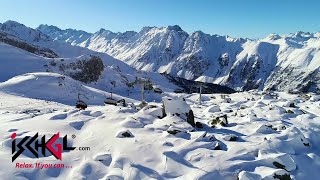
column 175, row 105
column 77, row 124
column 244, row 175
column 106, row 159
column 212, row 109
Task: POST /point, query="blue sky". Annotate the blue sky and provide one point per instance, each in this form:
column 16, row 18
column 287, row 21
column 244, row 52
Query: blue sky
column 237, row 18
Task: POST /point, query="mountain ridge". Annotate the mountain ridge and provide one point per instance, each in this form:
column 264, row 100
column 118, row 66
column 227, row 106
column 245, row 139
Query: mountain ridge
column 278, row 62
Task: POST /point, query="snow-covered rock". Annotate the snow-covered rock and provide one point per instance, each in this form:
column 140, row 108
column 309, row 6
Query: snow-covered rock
column 175, row 105
column 266, row 129
column 154, row 110
column 219, row 121
column 283, row 161
column 268, row 173
column 315, row 98
column 124, row 134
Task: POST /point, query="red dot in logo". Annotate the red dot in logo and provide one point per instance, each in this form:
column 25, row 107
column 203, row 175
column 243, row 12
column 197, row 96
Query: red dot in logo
column 13, row 135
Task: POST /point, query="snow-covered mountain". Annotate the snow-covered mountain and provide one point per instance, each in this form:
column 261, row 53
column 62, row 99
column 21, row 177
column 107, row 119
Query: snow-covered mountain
column 35, row 37
column 170, row 135
column 279, row 62
column 19, row 43
column 71, row 36
column 74, row 58
column 20, row 30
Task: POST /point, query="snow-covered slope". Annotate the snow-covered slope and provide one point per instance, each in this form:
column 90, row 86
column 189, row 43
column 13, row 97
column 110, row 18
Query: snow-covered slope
column 15, row 61
column 270, row 63
column 55, row 87
column 101, row 72
column 298, row 62
column 265, row 138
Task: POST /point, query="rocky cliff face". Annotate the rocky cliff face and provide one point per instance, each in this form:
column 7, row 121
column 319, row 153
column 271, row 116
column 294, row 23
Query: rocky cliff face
column 87, row 69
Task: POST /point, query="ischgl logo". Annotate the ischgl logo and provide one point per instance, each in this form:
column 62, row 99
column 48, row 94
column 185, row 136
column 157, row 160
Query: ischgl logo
column 32, row 145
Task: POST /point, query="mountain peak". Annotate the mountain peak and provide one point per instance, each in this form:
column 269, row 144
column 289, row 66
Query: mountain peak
column 128, row 34
column 11, row 23
column 199, row 34
column 102, row 30
column 77, row 31
column 273, row 36
column 174, row 28
column 47, row 28
column 301, row 34
column 146, row 29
